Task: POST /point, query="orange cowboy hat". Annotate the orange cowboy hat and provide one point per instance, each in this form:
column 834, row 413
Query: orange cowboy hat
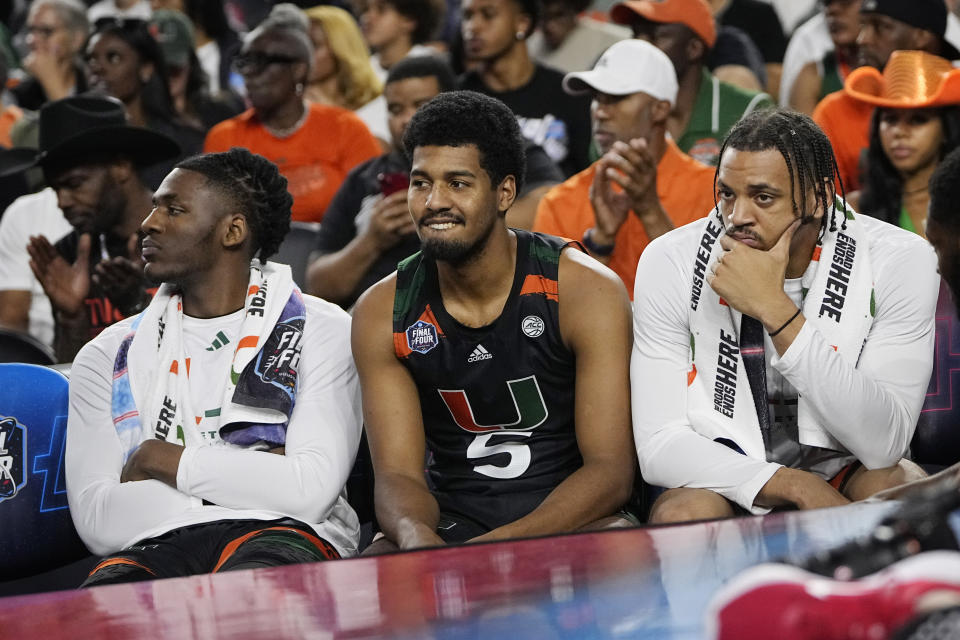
column 911, row 80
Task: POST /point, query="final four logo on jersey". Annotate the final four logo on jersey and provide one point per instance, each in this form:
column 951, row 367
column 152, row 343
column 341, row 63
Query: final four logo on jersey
column 13, row 455
column 421, row 336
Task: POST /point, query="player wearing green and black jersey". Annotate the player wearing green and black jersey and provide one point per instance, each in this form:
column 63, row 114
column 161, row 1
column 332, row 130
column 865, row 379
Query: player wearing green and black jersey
column 503, row 354
column 497, row 401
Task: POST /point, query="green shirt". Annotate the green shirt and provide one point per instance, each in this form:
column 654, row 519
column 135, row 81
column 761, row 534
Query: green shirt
column 718, row 107
column 906, row 222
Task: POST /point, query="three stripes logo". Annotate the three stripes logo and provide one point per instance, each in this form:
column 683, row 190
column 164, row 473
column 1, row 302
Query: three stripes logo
column 219, row 341
column 478, row 354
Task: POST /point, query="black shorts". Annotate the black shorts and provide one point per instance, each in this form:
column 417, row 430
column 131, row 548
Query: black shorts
column 455, row 528
column 211, row 547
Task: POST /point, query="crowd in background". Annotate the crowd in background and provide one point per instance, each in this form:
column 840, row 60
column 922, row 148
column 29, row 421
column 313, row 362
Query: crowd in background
column 305, row 86
column 624, row 114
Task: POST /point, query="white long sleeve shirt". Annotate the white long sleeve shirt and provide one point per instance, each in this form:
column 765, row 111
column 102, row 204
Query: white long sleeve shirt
column 307, row 483
column 871, row 409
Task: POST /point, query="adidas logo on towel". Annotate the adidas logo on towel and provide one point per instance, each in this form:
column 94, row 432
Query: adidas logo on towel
column 479, row 354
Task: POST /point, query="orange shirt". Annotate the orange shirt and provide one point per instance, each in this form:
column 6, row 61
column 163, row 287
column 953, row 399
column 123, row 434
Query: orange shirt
column 846, row 121
column 8, row 118
column 685, row 189
column 314, row 160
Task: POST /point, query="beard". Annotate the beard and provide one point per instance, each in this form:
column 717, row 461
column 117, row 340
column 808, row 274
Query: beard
column 455, row 252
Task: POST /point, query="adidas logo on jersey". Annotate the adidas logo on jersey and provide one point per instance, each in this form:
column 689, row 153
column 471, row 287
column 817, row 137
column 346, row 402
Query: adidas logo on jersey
column 479, row 354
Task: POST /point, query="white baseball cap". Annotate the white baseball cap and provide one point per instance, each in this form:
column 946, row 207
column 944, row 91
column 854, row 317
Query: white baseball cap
column 629, row 66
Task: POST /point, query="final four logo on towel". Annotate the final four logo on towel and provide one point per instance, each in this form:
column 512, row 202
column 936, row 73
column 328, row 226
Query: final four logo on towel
column 278, row 361
column 421, row 336
column 13, row 454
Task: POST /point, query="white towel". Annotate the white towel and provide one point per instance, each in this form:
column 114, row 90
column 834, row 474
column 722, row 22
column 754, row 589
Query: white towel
column 159, row 371
column 838, row 302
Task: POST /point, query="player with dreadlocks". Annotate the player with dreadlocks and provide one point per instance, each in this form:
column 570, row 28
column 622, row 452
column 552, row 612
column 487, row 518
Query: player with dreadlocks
column 782, row 347
column 215, row 430
column 805, row 150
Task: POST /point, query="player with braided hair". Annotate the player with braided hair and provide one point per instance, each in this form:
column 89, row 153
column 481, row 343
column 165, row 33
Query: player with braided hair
column 225, row 434
column 255, row 187
column 782, row 348
column 805, row 150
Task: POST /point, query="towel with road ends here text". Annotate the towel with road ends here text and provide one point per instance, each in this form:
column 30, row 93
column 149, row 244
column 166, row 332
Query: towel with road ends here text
column 838, row 301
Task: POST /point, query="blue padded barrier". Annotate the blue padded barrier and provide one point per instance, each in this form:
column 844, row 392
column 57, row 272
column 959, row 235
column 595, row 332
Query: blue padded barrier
column 36, row 532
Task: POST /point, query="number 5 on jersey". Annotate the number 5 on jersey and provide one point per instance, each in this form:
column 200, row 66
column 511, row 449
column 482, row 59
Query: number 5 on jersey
column 531, row 412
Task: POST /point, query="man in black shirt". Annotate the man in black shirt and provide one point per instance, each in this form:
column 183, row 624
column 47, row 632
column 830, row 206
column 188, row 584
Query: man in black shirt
column 494, row 37
column 90, row 157
column 367, row 229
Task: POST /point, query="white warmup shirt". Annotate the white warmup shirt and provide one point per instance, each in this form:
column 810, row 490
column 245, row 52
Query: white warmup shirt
column 872, row 408
column 307, row 483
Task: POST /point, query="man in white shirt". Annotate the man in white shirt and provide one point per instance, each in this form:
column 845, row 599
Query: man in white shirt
column 783, row 344
column 215, row 431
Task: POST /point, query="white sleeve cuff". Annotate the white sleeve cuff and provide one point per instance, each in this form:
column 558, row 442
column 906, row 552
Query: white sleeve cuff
column 746, row 493
column 183, row 470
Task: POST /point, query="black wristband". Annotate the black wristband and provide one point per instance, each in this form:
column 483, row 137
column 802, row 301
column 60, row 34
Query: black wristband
column 785, row 324
column 602, row 250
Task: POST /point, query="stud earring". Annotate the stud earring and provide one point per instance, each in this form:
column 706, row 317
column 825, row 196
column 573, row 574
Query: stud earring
column 520, row 35
column 299, row 88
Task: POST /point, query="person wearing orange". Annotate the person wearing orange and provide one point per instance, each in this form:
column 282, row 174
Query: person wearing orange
column 885, row 26
column 915, row 124
column 314, row 145
column 643, row 185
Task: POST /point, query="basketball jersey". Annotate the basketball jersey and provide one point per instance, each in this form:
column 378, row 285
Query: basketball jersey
column 497, row 401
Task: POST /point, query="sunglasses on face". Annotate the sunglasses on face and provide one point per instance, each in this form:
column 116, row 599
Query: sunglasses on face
column 254, row 63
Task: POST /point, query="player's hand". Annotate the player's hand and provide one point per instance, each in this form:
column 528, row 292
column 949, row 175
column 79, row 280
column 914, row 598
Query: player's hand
column 800, row 488
column 153, row 460
column 751, row 280
column 67, row 285
column 417, row 536
column 390, row 221
column 633, row 169
column 122, row 278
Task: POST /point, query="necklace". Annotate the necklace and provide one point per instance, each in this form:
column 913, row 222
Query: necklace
column 286, row 132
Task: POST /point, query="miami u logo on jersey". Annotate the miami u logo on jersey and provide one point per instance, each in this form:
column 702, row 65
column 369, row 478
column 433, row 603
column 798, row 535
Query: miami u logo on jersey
column 527, row 399
column 531, row 413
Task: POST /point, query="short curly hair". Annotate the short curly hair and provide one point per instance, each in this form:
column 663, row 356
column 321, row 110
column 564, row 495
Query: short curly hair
column 461, row 118
column 256, row 187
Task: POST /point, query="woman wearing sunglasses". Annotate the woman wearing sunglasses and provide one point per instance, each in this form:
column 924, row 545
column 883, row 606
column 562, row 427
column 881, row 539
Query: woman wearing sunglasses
column 314, row 145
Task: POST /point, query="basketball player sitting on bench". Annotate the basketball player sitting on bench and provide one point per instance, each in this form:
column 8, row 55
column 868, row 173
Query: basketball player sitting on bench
column 503, row 352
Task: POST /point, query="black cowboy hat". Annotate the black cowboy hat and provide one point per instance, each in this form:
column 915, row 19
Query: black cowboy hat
column 74, row 128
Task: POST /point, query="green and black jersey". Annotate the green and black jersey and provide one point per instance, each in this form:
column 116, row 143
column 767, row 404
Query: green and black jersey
column 497, row 401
